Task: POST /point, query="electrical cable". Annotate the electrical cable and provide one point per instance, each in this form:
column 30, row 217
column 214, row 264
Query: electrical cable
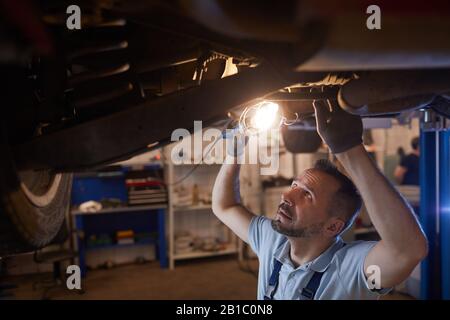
column 243, row 127
column 191, row 171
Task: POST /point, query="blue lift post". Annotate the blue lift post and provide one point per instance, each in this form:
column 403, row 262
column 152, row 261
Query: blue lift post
column 435, row 204
column 445, row 213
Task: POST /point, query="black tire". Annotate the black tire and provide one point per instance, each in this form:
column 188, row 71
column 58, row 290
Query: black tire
column 30, row 216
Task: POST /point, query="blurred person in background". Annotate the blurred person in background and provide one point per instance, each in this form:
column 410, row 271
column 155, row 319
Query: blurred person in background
column 407, row 172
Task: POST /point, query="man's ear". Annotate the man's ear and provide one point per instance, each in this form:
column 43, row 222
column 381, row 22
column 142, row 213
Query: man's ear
column 334, row 226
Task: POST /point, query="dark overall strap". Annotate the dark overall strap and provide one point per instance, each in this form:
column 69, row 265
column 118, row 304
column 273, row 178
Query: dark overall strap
column 309, row 291
column 273, row 281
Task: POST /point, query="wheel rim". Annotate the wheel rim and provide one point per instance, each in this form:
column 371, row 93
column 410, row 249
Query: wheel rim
column 40, row 187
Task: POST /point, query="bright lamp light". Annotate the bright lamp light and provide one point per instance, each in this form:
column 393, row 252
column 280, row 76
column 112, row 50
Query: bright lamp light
column 265, row 116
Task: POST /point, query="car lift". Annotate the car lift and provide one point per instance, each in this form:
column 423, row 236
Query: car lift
column 435, row 203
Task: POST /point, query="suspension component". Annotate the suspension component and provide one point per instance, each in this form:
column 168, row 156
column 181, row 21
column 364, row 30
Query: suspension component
column 101, row 78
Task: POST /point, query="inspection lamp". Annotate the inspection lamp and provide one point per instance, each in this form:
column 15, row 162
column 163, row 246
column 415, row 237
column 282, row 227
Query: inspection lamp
column 255, row 119
column 265, row 116
column 260, row 117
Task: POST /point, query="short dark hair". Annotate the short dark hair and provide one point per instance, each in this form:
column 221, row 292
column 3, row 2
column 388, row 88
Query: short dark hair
column 346, row 201
column 415, row 143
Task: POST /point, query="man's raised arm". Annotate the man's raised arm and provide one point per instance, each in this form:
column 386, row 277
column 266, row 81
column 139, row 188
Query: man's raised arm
column 226, row 202
column 402, row 243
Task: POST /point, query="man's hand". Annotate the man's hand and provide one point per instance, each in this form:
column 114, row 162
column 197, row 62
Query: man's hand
column 236, row 149
column 340, row 130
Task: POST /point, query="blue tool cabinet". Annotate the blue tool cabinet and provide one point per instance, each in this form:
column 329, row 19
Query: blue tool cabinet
column 142, row 219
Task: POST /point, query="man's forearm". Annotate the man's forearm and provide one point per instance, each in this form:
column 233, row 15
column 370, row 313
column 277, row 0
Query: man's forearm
column 226, row 191
column 226, row 202
column 392, row 217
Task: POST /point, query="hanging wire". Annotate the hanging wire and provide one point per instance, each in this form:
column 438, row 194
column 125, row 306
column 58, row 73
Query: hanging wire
column 191, row 171
column 244, row 127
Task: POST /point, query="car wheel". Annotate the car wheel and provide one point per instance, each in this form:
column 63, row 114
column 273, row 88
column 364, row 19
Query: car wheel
column 32, row 205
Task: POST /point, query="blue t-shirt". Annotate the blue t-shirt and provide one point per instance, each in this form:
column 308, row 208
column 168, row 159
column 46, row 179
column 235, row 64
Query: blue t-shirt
column 344, row 276
column 411, row 163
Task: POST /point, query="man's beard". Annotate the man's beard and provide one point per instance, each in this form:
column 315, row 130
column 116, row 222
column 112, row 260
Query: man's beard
column 305, row 232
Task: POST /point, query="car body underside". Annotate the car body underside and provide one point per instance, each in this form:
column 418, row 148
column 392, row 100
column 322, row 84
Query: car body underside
column 153, row 66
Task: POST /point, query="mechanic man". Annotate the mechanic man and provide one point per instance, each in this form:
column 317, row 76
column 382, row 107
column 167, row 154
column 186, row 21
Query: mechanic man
column 300, row 251
column 407, row 172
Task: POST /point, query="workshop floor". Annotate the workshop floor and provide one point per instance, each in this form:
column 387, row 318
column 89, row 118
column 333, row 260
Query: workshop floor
column 215, row 278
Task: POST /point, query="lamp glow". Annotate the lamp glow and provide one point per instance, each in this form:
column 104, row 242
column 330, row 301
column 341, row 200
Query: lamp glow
column 265, row 116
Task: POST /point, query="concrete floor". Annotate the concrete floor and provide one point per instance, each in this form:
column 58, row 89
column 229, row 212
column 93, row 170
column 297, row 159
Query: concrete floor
column 214, row 278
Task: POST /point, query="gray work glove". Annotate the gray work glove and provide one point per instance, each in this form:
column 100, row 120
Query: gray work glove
column 238, row 141
column 340, row 130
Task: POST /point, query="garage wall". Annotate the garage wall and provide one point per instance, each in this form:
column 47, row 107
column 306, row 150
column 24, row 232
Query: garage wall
column 389, row 140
